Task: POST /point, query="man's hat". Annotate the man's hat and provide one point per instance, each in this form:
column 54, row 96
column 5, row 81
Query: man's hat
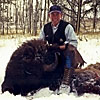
column 55, row 8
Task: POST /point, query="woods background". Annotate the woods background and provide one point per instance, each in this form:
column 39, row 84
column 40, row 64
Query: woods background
column 28, row 16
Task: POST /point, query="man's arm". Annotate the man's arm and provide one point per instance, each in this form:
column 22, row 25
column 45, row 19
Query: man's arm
column 70, row 35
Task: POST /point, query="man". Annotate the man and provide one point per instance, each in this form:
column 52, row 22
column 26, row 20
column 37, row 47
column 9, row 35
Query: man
column 62, row 33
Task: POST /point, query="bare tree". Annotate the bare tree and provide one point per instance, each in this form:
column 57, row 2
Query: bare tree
column 7, row 18
column 23, row 16
column 95, row 13
column 3, row 19
column 35, row 18
column 44, row 17
column 41, row 10
column 16, row 16
column 79, row 15
column 30, row 15
column 26, row 17
column 48, row 10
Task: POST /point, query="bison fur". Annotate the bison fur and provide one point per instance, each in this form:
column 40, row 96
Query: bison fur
column 35, row 65
column 87, row 80
column 29, row 68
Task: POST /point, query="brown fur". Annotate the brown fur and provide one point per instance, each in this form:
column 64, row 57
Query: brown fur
column 93, row 68
column 77, row 58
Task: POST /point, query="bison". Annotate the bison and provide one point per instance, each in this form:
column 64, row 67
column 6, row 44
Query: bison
column 35, row 65
column 87, row 80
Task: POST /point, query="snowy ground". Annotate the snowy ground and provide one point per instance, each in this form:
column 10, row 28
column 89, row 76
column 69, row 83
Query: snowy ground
column 89, row 47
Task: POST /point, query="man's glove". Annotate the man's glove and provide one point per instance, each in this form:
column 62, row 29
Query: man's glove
column 53, row 46
column 66, row 45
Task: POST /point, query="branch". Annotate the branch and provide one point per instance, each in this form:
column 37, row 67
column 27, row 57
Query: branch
column 87, row 2
column 71, row 10
column 72, row 6
column 71, row 17
column 87, row 11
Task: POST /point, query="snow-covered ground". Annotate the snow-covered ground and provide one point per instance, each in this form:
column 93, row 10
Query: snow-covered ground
column 89, row 47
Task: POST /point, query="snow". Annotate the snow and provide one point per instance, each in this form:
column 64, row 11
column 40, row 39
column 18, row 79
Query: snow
column 89, row 47
column 90, row 50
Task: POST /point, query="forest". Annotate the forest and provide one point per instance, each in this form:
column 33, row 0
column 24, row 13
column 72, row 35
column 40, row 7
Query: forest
column 28, row 16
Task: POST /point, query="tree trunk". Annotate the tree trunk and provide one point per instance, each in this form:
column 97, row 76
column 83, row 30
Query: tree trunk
column 95, row 15
column 79, row 16
column 7, row 19
column 3, row 21
column 44, row 17
column 26, row 17
column 0, row 15
column 41, row 10
column 23, row 17
column 73, row 15
column 10, row 18
column 35, row 18
column 48, row 10
column 30, row 16
column 16, row 18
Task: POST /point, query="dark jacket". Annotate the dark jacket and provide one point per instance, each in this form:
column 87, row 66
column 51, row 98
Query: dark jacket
column 59, row 36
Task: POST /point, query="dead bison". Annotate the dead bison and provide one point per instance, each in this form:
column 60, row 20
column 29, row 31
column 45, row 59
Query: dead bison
column 35, row 65
column 87, row 80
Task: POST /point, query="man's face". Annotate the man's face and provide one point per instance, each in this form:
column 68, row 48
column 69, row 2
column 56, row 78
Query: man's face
column 55, row 17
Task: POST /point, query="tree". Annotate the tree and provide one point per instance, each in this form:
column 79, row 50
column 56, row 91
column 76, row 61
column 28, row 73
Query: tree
column 44, row 17
column 36, row 17
column 30, row 15
column 16, row 17
column 79, row 16
column 41, row 10
column 23, row 16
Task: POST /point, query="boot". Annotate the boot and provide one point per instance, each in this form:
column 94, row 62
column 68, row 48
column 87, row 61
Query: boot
column 67, row 78
column 66, row 81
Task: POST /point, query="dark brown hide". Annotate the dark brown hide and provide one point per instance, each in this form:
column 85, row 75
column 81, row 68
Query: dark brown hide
column 25, row 71
column 87, row 80
column 77, row 58
column 33, row 66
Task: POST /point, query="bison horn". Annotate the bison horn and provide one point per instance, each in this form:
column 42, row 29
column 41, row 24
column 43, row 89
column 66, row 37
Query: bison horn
column 52, row 66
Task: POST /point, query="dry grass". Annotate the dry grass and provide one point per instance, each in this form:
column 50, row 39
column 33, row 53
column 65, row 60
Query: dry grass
column 14, row 36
